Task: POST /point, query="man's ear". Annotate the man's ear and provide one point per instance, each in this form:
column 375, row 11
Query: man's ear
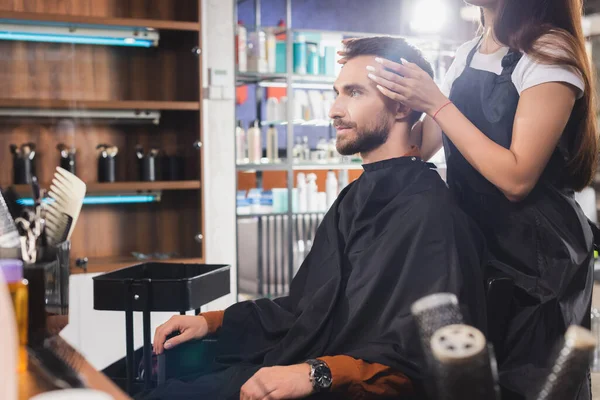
column 402, row 112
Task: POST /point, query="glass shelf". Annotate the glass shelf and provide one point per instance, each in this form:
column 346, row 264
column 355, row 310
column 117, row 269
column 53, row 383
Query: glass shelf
column 281, row 166
column 309, row 165
column 300, row 122
column 322, row 82
column 279, row 214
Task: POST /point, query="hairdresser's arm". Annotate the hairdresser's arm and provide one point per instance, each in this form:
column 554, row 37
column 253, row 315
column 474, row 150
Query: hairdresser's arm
column 542, row 114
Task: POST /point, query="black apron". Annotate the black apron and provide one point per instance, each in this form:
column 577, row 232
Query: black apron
column 543, row 243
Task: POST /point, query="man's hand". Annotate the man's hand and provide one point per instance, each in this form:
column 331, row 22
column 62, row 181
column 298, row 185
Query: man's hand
column 190, row 327
column 275, row 383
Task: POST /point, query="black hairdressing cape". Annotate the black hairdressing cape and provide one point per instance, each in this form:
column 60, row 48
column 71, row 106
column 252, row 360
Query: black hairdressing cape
column 392, row 237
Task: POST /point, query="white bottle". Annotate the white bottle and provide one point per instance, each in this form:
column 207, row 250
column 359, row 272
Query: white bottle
column 240, row 144
column 343, row 179
column 272, row 144
column 302, row 193
column 297, row 150
column 271, row 49
column 254, row 143
column 322, row 149
column 263, row 66
column 331, row 188
column 305, row 149
column 322, row 202
column 311, row 191
column 257, row 54
column 282, row 114
column 333, row 154
column 241, row 36
column 273, row 109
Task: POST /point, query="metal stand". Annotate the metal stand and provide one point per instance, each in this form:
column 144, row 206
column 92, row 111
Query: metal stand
column 138, row 291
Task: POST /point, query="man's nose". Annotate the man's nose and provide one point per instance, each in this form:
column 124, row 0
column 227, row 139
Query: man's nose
column 337, row 110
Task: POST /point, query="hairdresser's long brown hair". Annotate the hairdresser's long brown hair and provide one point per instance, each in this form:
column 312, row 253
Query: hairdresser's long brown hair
column 550, row 31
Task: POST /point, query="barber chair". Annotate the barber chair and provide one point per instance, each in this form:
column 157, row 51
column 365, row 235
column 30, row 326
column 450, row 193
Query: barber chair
column 195, row 356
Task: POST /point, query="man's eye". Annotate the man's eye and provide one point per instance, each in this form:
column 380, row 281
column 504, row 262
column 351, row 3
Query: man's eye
column 354, row 93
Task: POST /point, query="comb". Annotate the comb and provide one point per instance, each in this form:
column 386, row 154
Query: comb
column 9, row 234
column 68, row 192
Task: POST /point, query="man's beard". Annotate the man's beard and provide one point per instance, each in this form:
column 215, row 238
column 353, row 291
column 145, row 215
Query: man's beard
column 365, row 141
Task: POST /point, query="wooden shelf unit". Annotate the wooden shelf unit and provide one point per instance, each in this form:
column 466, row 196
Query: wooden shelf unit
column 166, row 78
column 142, row 186
column 127, row 10
column 100, row 105
column 120, row 187
column 101, row 21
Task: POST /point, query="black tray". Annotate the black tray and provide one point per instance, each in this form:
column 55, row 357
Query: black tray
column 172, row 287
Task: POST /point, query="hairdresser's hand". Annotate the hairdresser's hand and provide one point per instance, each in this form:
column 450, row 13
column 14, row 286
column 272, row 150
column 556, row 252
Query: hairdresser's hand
column 408, row 84
column 342, row 53
column 190, row 327
column 291, row 382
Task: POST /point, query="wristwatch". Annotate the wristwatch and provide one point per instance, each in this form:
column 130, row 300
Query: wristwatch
column 320, row 375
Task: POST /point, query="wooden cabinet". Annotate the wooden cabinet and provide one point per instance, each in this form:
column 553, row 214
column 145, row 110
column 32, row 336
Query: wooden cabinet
column 96, row 83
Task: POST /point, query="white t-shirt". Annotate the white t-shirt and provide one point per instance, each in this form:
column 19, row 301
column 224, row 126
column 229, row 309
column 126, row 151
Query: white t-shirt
column 527, row 73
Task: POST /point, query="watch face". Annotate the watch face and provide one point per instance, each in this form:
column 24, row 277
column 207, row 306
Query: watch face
column 323, row 376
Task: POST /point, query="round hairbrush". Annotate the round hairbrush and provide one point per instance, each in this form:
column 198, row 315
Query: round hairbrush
column 571, row 366
column 463, row 367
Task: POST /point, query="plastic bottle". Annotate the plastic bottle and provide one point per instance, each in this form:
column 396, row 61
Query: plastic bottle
column 254, row 143
column 280, row 49
column 283, row 103
column 9, row 345
column 273, row 109
column 266, row 202
column 240, row 144
column 311, row 191
column 280, row 57
column 329, row 60
column 322, row 202
column 281, row 31
column 312, row 59
column 271, row 44
column 342, row 179
column 272, row 145
column 241, row 54
column 300, row 55
column 331, row 188
column 257, row 51
column 302, row 192
column 322, row 149
column 12, row 273
column 242, row 203
column 298, row 150
column 295, row 200
column 254, row 198
column 333, row 154
column 305, row 149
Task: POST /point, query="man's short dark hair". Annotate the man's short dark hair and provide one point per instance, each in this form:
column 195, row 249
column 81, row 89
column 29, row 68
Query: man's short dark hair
column 392, row 49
